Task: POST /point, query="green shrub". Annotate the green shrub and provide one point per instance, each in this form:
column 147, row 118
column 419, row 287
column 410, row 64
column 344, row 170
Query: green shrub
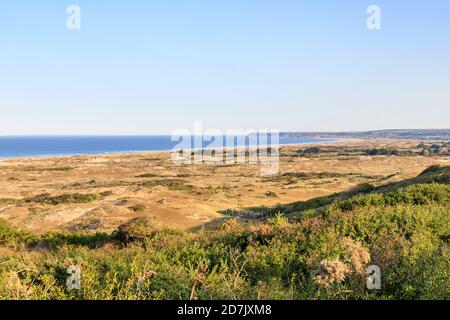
column 322, row 255
column 173, row 184
column 12, row 236
column 271, row 194
column 416, row 194
column 137, row 229
column 312, row 150
column 138, row 208
column 64, row 198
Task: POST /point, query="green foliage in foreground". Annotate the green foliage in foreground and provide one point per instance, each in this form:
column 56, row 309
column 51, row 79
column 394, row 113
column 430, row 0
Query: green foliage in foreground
column 323, row 254
column 415, row 195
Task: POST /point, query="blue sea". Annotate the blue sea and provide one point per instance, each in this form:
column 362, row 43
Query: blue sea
column 34, row 146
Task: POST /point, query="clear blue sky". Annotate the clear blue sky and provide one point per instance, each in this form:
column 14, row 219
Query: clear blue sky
column 149, row 67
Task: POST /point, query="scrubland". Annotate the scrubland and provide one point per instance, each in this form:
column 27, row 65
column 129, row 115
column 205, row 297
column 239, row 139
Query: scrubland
column 139, row 228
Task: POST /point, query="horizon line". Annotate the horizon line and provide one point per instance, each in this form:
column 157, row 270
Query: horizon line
column 166, row 134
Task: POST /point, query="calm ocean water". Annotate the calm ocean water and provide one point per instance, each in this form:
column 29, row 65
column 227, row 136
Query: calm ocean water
column 85, row 145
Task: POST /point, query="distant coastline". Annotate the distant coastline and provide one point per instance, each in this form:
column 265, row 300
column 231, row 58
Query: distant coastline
column 62, row 146
column 411, row 134
column 59, row 146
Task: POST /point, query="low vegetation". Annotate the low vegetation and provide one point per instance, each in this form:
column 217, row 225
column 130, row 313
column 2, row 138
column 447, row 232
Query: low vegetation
column 434, row 149
column 66, row 198
column 382, row 152
column 46, row 198
column 317, row 251
column 437, row 148
column 138, row 208
column 171, row 184
column 40, row 169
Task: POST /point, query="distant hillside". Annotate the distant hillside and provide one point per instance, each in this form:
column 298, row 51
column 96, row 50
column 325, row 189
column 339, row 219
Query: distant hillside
column 432, row 175
column 419, row 134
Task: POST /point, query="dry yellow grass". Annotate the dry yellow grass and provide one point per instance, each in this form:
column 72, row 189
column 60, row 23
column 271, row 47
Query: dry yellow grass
column 187, row 196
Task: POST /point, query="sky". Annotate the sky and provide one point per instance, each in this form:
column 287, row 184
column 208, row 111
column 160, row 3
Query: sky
column 155, row 66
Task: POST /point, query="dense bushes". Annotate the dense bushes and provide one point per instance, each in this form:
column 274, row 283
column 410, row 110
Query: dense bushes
column 138, row 229
column 381, row 152
column 323, row 255
column 441, row 148
column 46, row 198
column 415, row 194
column 11, row 236
column 309, row 151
